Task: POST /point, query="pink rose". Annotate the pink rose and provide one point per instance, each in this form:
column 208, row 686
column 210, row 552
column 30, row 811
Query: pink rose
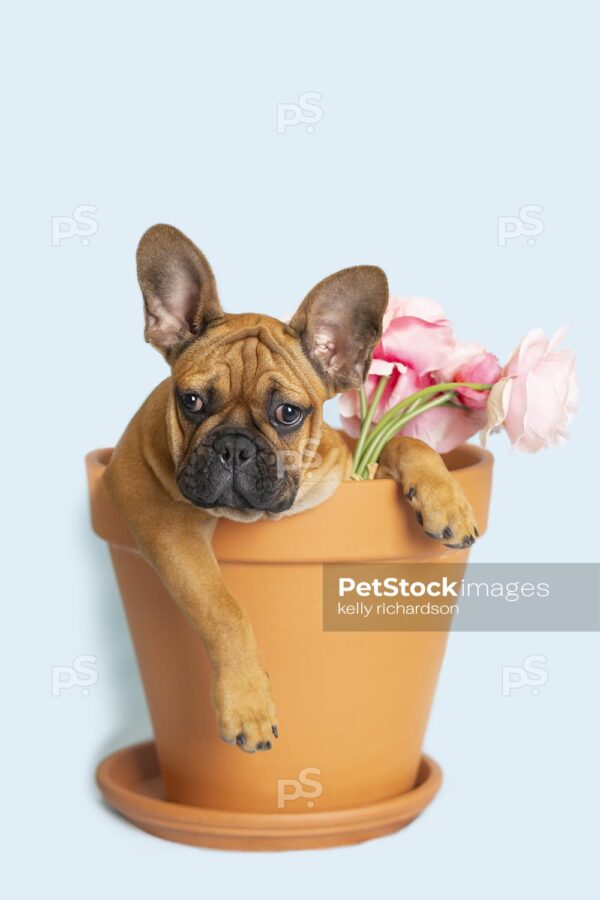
column 420, row 307
column 416, row 340
column 471, row 362
column 417, row 343
column 537, row 394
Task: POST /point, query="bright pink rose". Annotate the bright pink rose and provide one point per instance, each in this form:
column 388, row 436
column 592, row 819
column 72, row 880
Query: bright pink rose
column 484, row 369
column 417, row 343
column 537, row 395
column 416, row 340
column 471, row 362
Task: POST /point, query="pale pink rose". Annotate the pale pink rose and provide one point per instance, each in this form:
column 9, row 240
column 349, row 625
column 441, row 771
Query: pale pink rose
column 537, row 395
column 420, row 307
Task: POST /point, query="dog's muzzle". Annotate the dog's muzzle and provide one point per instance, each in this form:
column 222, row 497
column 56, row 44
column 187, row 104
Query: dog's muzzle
column 236, row 467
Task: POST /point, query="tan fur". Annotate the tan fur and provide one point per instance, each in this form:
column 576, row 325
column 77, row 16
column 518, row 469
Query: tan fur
column 244, row 356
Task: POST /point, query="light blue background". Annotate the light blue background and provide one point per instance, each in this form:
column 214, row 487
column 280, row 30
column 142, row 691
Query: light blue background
column 437, row 119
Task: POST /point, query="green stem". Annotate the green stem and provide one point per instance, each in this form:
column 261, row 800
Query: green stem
column 362, row 394
column 409, row 402
column 427, row 392
column 406, row 406
column 368, row 418
column 371, row 454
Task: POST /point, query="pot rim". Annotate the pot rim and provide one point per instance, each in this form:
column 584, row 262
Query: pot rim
column 362, row 521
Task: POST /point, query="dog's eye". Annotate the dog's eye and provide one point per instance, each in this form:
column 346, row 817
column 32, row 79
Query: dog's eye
column 191, row 402
column 286, row 414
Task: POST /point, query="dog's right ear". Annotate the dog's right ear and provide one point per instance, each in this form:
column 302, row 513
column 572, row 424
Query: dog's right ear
column 179, row 289
column 339, row 324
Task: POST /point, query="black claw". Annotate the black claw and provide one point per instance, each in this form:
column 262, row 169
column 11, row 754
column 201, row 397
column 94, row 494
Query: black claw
column 467, row 541
column 264, row 745
column 240, row 739
column 447, row 532
column 476, row 530
column 436, row 535
column 275, row 730
column 419, row 518
column 411, row 493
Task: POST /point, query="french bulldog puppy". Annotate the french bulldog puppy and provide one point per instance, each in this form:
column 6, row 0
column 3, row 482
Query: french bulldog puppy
column 237, row 431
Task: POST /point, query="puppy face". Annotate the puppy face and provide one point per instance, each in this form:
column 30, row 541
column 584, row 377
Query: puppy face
column 245, row 411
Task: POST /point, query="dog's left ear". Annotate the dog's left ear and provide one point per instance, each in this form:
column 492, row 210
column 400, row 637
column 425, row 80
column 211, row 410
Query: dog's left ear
column 179, row 289
column 339, row 324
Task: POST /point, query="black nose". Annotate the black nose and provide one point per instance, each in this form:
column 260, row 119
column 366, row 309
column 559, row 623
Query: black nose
column 234, row 450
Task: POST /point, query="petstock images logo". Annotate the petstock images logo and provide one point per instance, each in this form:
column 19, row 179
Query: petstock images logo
column 484, row 597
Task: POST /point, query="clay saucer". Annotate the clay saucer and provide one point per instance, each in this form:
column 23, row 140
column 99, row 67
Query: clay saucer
column 131, row 783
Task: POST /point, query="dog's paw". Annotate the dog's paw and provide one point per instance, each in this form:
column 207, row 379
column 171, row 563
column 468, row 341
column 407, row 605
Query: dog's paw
column 246, row 713
column 442, row 510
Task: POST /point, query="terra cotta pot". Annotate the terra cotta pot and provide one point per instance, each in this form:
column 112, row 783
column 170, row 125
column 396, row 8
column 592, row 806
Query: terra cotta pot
column 353, row 706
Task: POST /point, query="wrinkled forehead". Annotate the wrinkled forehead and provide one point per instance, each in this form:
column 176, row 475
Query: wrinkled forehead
column 247, row 355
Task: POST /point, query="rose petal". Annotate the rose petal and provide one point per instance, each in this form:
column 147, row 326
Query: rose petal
column 419, row 307
column 497, row 408
column 420, row 345
column 445, row 428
